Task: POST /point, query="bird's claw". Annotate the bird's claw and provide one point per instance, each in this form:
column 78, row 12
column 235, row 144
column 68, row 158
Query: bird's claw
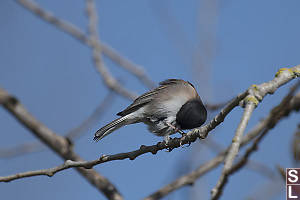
column 189, row 144
column 180, row 131
column 169, row 149
column 182, row 145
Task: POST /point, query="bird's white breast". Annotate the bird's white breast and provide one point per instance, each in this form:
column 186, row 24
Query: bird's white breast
column 173, row 104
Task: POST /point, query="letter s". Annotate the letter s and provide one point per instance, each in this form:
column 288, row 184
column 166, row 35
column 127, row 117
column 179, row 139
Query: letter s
column 293, row 176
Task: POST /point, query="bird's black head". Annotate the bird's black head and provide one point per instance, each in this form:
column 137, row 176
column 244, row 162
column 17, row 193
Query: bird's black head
column 191, row 115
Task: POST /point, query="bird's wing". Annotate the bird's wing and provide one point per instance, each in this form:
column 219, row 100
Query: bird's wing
column 148, row 96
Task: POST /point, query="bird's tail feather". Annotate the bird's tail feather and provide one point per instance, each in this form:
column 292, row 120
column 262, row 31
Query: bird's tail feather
column 109, row 128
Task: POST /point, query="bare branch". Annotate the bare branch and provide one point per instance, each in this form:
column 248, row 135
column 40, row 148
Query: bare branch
column 189, row 137
column 80, row 36
column 277, row 113
column 256, row 94
column 233, row 150
column 73, row 134
column 190, row 178
column 57, row 143
column 47, row 172
column 173, row 143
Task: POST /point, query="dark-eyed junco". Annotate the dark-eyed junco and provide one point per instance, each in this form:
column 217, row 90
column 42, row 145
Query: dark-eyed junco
column 173, row 106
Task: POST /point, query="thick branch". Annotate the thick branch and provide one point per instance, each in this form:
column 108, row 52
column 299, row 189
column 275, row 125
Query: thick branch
column 58, row 144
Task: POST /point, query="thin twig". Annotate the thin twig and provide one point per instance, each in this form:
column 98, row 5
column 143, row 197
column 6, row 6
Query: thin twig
column 60, row 145
column 75, row 32
column 47, row 172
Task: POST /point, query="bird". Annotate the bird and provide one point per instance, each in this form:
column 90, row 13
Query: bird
column 170, row 108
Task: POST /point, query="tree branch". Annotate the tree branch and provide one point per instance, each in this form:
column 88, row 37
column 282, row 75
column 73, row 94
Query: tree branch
column 190, row 136
column 59, row 144
column 190, row 178
column 277, row 113
column 256, row 94
column 173, row 143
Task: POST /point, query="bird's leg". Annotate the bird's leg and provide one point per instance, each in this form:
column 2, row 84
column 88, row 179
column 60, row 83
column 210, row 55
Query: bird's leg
column 175, row 128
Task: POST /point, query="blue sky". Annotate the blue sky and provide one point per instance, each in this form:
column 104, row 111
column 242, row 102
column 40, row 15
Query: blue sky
column 239, row 42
